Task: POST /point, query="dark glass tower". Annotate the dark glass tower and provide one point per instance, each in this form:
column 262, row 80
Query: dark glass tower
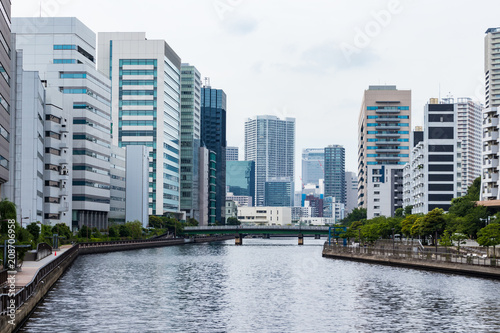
column 213, row 137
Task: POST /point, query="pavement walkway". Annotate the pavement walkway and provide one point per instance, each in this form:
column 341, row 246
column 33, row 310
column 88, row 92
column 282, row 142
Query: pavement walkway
column 29, row 268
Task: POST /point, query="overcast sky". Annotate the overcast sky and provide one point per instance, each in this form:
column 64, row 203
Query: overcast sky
column 311, row 59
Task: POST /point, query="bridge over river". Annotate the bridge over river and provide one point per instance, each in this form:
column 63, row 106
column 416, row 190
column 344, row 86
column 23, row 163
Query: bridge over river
column 241, row 230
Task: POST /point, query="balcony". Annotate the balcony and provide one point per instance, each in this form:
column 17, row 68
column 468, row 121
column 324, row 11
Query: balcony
column 490, row 163
column 490, row 136
column 64, row 207
column 382, row 120
column 491, row 177
column 490, row 149
column 388, row 142
column 387, row 111
column 386, row 127
column 490, row 121
column 388, row 135
column 491, row 192
column 387, row 150
column 387, row 158
column 64, row 128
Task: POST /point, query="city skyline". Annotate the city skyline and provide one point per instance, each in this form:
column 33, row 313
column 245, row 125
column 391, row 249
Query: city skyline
column 319, row 45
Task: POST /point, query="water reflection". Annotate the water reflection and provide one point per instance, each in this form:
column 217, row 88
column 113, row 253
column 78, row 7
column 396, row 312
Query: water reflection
column 263, row 286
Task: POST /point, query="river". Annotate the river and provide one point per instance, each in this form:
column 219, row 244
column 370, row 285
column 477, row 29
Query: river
column 266, row 285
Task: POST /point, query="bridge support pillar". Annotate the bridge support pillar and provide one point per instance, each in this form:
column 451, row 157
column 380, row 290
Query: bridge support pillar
column 267, row 236
column 301, row 239
column 238, row 239
column 317, row 236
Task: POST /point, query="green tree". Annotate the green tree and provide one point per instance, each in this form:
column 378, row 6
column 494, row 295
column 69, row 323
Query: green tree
column 63, row 231
column 34, row 230
column 407, row 224
column 357, row 214
column 408, row 210
column 399, row 212
column 134, row 229
column 489, row 236
column 7, row 212
column 459, row 238
column 96, row 233
column 232, row 221
column 84, row 232
column 157, row 222
column 192, row 222
column 445, row 239
column 113, row 232
column 123, row 231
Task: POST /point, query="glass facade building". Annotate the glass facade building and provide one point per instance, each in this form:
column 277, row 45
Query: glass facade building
column 240, row 178
column 190, row 140
column 213, row 137
column 313, row 161
column 335, row 185
column 279, row 193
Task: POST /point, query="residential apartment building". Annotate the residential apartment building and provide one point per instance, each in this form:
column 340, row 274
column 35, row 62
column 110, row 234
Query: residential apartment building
column 62, row 51
column 433, row 176
column 491, row 113
column 270, row 143
column 384, row 138
column 351, row 191
column 145, row 77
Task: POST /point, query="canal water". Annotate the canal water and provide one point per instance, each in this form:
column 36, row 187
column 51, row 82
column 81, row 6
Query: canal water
column 266, row 285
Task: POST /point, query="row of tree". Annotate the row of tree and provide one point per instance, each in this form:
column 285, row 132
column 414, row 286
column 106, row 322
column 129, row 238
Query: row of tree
column 464, row 220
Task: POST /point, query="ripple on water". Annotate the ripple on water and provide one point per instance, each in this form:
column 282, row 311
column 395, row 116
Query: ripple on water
column 263, row 286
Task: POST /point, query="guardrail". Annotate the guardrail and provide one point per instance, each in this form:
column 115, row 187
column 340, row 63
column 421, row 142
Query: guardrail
column 258, row 227
column 467, row 259
column 25, row 292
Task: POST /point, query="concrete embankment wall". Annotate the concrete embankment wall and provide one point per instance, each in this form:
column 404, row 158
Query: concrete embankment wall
column 40, row 291
column 128, row 247
column 443, row 267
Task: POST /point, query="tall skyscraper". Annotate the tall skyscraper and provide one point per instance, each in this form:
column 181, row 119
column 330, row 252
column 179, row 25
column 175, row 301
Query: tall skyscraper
column 270, row 143
column 213, row 137
column 335, row 173
column 145, row 76
column 190, row 140
column 469, row 128
column 279, row 192
column 62, row 50
column 232, row 153
column 5, row 70
column 490, row 156
column 313, row 162
column 384, row 138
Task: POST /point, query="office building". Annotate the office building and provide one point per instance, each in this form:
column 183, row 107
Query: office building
column 213, row 137
column 232, row 154
column 62, row 51
column 333, row 209
column 137, row 177
column 270, row 143
column 313, row 161
column 145, row 77
column 279, row 192
column 204, row 201
column 240, row 178
column 351, row 191
column 433, row 176
column 240, row 200
column 265, row 215
column 117, row 185
column 335, row 173
column 384, row 139
column 6, row 52
column 190, row 140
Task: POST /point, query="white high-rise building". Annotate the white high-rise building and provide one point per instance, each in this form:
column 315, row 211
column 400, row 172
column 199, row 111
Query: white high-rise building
column 231, row 154
column 490, row 157
column 469, row 128
column 62, row 50
column 270, row 143
column 313, row 165
column 145, row 76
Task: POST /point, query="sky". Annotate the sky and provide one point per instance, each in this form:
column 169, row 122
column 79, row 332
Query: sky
column 311, row 60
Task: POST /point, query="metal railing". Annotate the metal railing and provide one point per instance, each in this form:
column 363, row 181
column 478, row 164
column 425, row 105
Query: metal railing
column 25, row 292
column 258, row 227
column 428, row 256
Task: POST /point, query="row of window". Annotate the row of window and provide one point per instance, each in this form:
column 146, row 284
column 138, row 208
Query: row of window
column 388, row 132
column 388, row 108
column 388, row 124
column 398, row 140
column 389, row 117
